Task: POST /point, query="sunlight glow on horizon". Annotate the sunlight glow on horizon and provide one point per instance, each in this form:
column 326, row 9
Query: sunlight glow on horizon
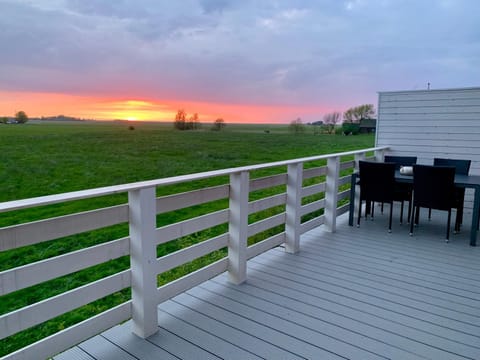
column 135, row 109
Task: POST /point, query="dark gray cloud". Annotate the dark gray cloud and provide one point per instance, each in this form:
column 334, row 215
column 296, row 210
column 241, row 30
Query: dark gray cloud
column 270, row 52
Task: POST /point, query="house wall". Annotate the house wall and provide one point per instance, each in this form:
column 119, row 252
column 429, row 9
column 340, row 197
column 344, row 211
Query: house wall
column 431, row 123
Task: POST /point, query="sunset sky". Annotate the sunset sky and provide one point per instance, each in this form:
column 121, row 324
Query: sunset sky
column 245, row 61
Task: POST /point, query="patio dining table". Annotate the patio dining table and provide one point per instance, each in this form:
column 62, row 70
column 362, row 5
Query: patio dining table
column 461, row 181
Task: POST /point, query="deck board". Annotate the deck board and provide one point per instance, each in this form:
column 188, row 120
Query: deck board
column 358, row 293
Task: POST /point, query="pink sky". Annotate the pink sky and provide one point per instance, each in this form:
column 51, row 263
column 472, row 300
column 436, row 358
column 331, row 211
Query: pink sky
column 108, row 108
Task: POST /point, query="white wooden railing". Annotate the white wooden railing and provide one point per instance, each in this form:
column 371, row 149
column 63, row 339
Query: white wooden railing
column 144, row 237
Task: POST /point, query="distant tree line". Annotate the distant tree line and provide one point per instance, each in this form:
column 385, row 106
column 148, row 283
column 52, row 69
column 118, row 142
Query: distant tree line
column 329, row 124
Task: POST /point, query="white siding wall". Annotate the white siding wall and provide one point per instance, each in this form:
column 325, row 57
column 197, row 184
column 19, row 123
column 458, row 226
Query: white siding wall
column 431, row 123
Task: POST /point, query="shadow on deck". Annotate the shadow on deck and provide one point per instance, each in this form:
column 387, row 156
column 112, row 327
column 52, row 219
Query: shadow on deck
column 359, row 293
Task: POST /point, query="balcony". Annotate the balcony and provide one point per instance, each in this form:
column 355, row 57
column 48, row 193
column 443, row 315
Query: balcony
column 316, row 289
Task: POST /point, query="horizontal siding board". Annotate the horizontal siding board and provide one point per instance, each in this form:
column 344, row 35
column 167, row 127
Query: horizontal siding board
column 35, row 273
column 191, row 253
column 431, row 110
column 432, row 103
column 443, row 94
column 16, row 236
column 47, row 309
column 187, row 227
column 191, row 198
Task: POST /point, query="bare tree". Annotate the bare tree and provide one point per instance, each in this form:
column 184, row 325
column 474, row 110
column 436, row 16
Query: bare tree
column 180, row 119
column 330, row 121
column 297, row 126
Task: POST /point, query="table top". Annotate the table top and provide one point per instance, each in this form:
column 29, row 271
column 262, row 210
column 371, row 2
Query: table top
column 467, row 181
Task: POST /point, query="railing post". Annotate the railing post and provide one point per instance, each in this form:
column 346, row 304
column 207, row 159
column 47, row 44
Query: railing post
column 238, row 227
column 331, row 193
column 143, row 255
column 379, row 155
column 293, row 206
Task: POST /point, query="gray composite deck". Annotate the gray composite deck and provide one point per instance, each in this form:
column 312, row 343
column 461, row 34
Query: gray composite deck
column 359, row 293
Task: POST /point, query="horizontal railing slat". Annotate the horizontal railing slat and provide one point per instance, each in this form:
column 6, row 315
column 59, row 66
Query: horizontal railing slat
column 266, row 203
column 347, row 165
column 191, row 198
column 193, row 252
column 314, row 172
column 268, row 181
column 38, row 272
column 75, row 334
column 187, row 227
column 313, row 206
column 195, row 278
column 313, row 189
column 344, row 180
column 343, row 195
column 265, row 245
column 43, row 230
column 266, row 224
column 311, row 224
column 47, row 309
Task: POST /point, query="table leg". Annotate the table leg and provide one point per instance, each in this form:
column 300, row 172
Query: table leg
column 475, row 214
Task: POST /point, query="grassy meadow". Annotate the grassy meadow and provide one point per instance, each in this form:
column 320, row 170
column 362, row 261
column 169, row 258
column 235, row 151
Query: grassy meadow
column 52, row 157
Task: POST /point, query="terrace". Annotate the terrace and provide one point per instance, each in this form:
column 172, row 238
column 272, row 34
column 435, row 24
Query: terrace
column 276, row 271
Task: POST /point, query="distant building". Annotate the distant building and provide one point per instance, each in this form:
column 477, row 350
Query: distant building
column 368, row 126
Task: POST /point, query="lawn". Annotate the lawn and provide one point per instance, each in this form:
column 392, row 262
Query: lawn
column 49, row 158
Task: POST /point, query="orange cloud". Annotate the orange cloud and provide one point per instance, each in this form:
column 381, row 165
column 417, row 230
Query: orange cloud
column 104, row 108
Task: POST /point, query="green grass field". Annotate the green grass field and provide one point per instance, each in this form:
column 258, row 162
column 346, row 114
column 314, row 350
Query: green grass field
column 49, row 158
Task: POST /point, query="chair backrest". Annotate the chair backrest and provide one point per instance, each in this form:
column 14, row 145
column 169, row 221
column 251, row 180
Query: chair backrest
column 462, row 167
column 377, row 181
column 434, row 186
column 401, row 160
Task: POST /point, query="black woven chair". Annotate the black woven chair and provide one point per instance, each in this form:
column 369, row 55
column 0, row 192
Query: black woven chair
column 462, row 167
column 433, row 188
column 377, row 182
column 403, row 192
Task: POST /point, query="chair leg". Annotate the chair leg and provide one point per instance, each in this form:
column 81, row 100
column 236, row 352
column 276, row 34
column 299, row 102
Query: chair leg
column 390, row 220
column 382, row 207
column 401, row 213
column 412, row 222
column 448, row 224
column 372, row 212
column 457, row 222
column 417, row 215
column 429, row 214
column 359, row 213
column 409, row 211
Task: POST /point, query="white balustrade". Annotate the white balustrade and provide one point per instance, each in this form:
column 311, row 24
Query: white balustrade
column 144, row 237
